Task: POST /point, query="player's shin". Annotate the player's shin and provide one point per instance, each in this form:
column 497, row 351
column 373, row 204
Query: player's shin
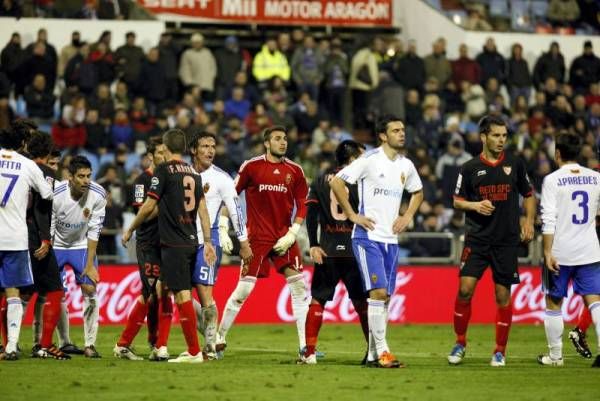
column 210, row 316
column 14, row 315
column 165, row 313
column 152, row 320
column 503, row 323
column 198, row 309
column 554, row 326
column 234, row 303
column 299, row 305
column 595, row 312
column 62, row 326
column 3, row 326
column 377, row 324
column 38, row 308
column 462, row 314
column 50, row 316
column 314, row 320
column 360, row 306
column 187, row 319
column 585, row 319
column 90, row 319
column 135, row 321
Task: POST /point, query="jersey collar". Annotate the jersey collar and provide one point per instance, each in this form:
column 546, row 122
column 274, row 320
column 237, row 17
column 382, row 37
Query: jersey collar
column 489, row 163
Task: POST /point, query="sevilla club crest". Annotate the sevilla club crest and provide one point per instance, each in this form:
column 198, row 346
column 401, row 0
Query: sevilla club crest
column 288, row 179
column 86, row 213
column 507, row 169
column 206, row 187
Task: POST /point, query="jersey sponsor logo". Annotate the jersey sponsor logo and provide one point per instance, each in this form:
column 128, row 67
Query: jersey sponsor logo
column 481, row 172
column 206, row 187
column 394, row 193
column 495, row 192
column 288, row 178
column 71, row 226
column 272, row 188
column 507, row 169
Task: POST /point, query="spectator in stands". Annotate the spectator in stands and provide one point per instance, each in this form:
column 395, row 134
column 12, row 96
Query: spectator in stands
column 364, row 78
column 448, row 166
column 121, row 97
column 429, row 247
column 103, row 102
column 270, row 62
column 476, row 22
column 285, row 45
column 257, row 120
column 456, row 225
column 153, row 83
column 11, row 8
column 465, row 68
column 39, row 62
column 281, row 116
column 518, row 78
column 5, row 85
column 274, row 93
column 237, row 106
column 307, row 67
column 69, row 132
column 121, row 131
column 585, row 69
column 336, row 71
column 409, row 71
column 104, row 63
column 97, row 140
column 113, row 9
column 431, row 126
column 11, row 58
column 198, row 68
column 551, row 64
column 169, row 58
column 40, row 102
column 49, row 54
column 68, row 52
column 563, row 12
column 491, row 62
column 307, row 121
column 437, row 65
column 111, row 228
column 81, row 72
column 474, row 98
column 230, row 60
column 141, row 121
column 412, row 109
column 129, row 59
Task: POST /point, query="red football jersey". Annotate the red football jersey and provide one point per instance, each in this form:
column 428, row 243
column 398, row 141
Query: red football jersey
column 272, row 191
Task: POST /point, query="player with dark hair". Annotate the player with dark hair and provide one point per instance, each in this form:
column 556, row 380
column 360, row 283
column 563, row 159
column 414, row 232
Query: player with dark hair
column 177, row 191
column 382, row 175
column 488, row 189
column 570, row 202
column 332, row 252
column 147, row 249
column 274, row 185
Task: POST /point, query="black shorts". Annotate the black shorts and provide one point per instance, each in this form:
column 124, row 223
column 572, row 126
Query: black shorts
column 149, row 264
column 177, row 267
column 327, row 276
column 503, row 260
column 46, row 275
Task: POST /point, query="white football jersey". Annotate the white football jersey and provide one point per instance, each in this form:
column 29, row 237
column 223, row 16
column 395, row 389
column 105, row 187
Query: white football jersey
column 18, row 175
column 219, row 189
column 570, row 202
column 381, row 182
column 74, row 221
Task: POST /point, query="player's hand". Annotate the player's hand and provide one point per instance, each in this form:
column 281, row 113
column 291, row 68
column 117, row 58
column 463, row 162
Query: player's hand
column 401, row 224
column 284, row 243
column 485, row 207
column 92, row 273
column 224, row 239
column 42, row 251
column 126, row 237
column 246, row 252
column 317, row 254
column 526, row 232
column 210, row 256
column 365, row 222
column 551, row 263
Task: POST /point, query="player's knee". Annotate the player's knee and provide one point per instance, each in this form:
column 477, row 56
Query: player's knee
column 553, row 303
column 296, row 284
column 88, row 290
column 243, row 291
column 465, row 293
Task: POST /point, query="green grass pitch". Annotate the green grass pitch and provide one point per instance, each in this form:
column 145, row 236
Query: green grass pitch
column 259, row 365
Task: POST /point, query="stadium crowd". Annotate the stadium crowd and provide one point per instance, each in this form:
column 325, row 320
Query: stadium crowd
column 105, row 103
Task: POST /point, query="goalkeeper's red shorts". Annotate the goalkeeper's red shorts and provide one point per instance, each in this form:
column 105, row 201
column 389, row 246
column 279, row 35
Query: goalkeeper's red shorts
column 265, row 257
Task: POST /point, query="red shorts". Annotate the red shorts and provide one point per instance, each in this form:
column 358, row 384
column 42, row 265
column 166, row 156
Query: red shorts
column 265, row 257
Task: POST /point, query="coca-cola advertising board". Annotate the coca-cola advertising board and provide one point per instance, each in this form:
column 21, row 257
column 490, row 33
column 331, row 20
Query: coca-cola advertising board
column 423, row 294
column 277, row 12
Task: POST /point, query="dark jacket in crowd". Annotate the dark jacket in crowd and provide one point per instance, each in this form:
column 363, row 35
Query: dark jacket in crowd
column 82, row 73
column 228, row 64
column 410, row 72
column 34, row 65
column 152, row 83
column 585, row 70
column 492, row 66
column 517, row 73
column 129, row 61
column 548, row 66
column 40, row 104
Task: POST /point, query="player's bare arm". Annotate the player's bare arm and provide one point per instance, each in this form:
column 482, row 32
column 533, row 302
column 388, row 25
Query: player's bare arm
column 338, row 186
column 90, row 270
column 549, row 259
column 530, row 206
column 402, row 222
column 484, row 207
column 210, row 256
column 145, row 211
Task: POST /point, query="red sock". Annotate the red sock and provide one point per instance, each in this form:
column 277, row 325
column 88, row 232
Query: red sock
column 361, row 307
column 187, row 318
column 585, row 319
column 462, row 314
column 503, row 322
column 50, row 316
column 165, row 315
column 135, row 321
column 3, row 324
column 314, row 320
column 152, row 320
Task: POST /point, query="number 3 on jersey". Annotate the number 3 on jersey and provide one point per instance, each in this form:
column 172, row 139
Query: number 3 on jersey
column 336, row 210
column 11, row 185
column 583, row 205
column 189, row 189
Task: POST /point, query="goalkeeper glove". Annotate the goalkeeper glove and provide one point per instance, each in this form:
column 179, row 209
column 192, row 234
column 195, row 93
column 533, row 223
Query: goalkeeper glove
column 224, row 239
column 284, row 243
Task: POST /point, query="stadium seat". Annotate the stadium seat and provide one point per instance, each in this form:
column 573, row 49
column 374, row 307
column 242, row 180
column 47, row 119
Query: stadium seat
column 20, row 107
column 132, row 162
column 457, row 16
column 539, row 9
column 521, row 16
column 499, row 8
column 107, row 158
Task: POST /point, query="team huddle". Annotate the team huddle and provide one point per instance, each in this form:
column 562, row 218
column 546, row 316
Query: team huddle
column 352, row 218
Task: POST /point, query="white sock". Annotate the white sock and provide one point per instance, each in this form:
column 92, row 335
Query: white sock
column 198, row 310
column 234, row 303
column 372, row 356
column 377, row 324
column 62, row 327
column 210, row 317
column 14, row 315
column 90, row 319
column 38, row 310
column 299, row 305
column 595, row 312
column 554, row 326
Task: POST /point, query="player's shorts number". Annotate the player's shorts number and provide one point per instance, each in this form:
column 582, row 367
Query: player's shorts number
column 336, row 210
column 151, row 270
column 189, row 189
column 204, row 271
column 13, row 180
column 584, row 206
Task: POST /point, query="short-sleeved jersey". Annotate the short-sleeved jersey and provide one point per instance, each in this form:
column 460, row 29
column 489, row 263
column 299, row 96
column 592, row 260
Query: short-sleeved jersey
column 570, row 202
column 500, row 182
column 76, row 221
column 219, row 189
column 18, row 175
column 381, row 183
column 39, row 214
column 336, row 228
column 273, row 190
column 147, row 234
column 178, row 189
